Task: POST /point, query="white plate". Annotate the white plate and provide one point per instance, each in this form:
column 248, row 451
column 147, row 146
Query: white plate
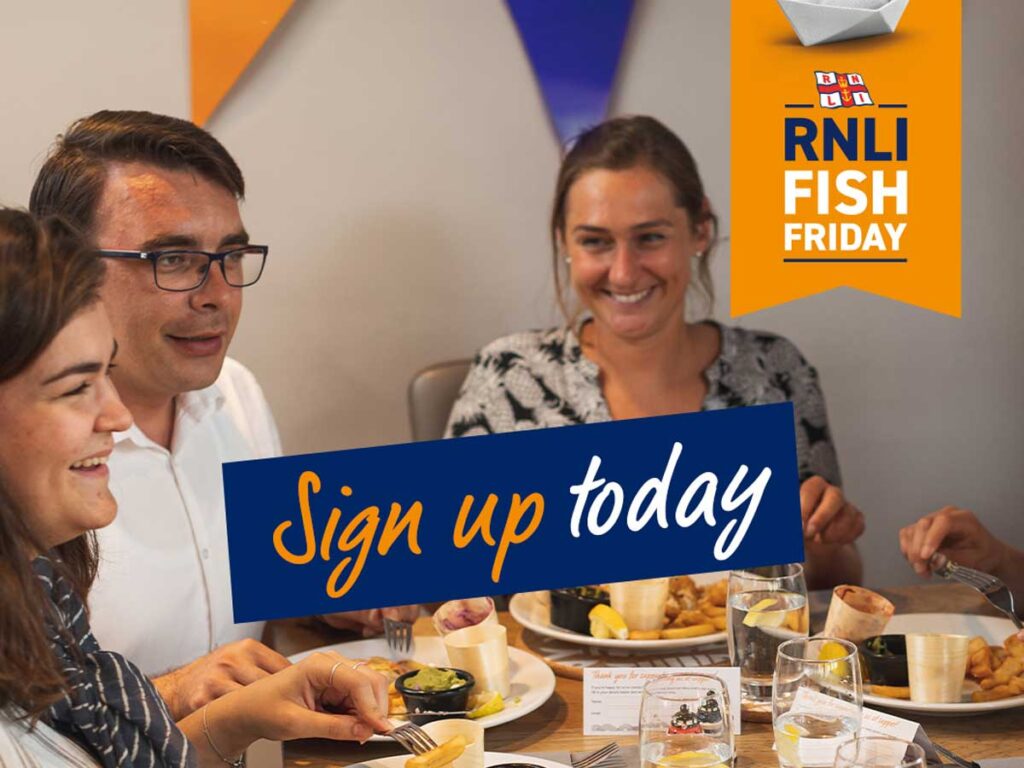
column 532, row 680
column 532, row 610
column 490, row 758
column 994, row 630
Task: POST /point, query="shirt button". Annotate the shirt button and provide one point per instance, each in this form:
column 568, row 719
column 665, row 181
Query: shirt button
column 206, row 554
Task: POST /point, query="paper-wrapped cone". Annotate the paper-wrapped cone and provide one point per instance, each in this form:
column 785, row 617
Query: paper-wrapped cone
column 457, row 614
column 830, row 21
column 855, row 614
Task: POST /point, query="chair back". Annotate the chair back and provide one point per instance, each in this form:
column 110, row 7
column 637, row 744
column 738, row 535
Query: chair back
column 432, row 393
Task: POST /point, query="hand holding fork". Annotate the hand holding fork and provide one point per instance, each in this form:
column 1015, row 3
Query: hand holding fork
column 962, row 538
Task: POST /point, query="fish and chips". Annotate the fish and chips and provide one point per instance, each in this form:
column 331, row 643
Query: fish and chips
column 998, row 670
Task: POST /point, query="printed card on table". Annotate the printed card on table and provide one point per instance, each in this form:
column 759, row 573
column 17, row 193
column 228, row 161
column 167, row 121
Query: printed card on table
column 611, row 696
column 872, row 723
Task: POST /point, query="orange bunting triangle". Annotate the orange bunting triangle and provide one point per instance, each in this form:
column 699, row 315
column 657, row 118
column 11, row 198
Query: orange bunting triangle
column 226, row 35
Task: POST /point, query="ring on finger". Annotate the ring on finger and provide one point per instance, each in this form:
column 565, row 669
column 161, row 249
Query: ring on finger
column 330, row 679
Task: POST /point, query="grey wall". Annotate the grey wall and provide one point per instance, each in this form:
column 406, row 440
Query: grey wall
column 400, row 161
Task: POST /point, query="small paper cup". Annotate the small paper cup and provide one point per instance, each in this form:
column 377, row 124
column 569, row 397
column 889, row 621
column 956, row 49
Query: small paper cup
column 936, row 665
column 640, row 603
column 482, row 650
column 855, row 614
column 443, row 730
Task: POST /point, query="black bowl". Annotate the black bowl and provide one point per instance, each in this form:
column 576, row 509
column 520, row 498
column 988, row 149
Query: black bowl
column 453, row 700
column 571, row 610
column 889, row 668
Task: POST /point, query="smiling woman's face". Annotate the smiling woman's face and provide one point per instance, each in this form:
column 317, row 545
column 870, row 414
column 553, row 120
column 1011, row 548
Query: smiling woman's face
column 629, row 246
column 56, row 418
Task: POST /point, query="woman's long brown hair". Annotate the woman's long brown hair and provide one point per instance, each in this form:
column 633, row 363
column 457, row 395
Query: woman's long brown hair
column 47, row 276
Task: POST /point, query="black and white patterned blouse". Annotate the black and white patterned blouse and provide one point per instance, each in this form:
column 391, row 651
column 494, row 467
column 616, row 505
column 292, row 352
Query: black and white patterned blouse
column 542, row 379
column 111, row 708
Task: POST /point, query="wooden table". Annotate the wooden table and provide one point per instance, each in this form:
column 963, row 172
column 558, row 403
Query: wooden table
column 558, row 724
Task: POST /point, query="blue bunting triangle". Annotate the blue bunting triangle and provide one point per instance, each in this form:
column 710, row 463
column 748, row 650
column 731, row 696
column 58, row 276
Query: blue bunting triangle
column 574, row 48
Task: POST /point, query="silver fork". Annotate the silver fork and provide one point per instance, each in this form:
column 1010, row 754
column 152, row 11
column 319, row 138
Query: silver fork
column 614, row 760
column 994, row 590
column 963, row 762
column 398, row 635
column 609, row 753
column 413, row 738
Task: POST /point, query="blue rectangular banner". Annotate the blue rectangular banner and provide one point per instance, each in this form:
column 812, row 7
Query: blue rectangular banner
column 548, row 508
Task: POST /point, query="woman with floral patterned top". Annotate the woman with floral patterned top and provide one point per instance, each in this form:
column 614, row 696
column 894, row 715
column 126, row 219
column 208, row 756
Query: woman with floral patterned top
column 630, row 225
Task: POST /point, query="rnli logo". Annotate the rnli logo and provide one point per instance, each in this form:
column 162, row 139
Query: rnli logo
column 842, row 90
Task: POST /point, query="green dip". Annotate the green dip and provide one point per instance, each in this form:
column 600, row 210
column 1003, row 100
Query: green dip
column 431, row 679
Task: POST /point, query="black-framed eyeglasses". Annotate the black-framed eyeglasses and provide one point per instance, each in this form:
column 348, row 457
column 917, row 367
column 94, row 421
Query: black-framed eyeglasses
column 178, row 269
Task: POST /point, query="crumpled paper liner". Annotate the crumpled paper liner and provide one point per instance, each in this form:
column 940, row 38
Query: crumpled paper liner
column 855, row 614
column 457, row 614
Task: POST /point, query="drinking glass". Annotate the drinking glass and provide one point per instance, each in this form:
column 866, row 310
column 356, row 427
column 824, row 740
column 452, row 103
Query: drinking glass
column 684, row 723
column 817, row 700
column 767, row 606
column 880, row 752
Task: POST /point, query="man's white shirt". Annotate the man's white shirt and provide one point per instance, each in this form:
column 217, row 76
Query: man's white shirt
column 162, row 596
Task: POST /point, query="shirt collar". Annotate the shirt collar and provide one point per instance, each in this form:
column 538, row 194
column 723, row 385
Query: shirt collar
column 194, row 406
column 200, row 402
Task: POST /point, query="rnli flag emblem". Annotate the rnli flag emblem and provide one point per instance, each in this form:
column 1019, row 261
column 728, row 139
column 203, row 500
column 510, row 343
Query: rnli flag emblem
column 836, row 89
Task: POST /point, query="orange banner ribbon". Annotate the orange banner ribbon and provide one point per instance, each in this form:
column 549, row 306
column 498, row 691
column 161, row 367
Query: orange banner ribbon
column 846, row 154
column 225, row 36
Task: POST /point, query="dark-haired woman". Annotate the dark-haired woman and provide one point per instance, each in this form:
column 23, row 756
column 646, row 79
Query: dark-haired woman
column 63, row 700
column 630, row 225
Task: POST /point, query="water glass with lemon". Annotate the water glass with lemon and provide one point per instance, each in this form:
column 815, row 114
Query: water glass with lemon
column 880, row 752
column 684, row 723
column 767, row 607
column 817, row 700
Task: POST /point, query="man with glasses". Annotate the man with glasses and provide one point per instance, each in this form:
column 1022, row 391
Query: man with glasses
column 159, row 198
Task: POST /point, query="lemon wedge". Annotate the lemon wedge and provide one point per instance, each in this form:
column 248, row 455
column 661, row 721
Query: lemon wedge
column 794, row 731
column 691, row 760
column 760, row 616
column 787, row 742
column 830, row 651
column 486, row 703
column 606, row 622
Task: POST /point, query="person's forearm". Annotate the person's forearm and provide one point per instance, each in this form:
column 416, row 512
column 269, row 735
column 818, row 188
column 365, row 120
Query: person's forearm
column 167, row 686
column 224, row 728
column 827, row 565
